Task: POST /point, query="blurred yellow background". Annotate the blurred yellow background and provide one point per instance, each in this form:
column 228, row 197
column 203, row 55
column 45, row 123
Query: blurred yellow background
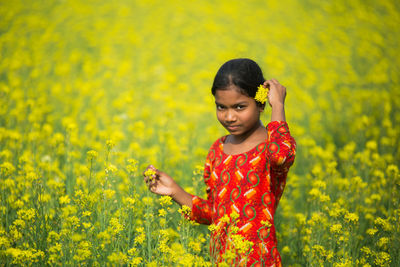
column 91, row 92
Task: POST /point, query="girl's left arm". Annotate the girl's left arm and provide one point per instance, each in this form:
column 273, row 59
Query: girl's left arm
column 281, row 145
column 281, row 149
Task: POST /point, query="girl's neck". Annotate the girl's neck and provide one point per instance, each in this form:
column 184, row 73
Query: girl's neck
column 255, row 133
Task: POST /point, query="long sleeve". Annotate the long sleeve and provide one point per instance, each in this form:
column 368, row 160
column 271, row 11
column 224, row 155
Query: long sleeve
column 281, row 153
column 281, row 146
column 202, row 209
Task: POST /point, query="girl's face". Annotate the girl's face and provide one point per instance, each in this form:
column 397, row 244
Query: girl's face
column 238, row 113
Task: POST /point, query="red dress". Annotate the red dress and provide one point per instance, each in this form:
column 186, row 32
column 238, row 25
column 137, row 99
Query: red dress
column 249, row 184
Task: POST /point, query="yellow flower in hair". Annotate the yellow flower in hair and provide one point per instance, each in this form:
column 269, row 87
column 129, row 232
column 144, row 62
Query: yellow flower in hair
column 261, row 94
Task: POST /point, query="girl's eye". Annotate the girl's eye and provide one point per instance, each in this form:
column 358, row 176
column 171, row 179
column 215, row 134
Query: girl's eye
column 240, row 107
column 220, row 107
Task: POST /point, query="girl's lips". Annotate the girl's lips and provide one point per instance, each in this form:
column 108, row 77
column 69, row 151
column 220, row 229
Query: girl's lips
column 232, row 128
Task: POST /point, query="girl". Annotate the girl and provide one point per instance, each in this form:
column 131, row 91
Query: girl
column 245, row 171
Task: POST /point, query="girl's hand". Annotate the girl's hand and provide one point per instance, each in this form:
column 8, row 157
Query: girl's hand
column 159, row 182
column 276, row 93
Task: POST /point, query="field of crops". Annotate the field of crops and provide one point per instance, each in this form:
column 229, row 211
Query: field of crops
column 91, row 92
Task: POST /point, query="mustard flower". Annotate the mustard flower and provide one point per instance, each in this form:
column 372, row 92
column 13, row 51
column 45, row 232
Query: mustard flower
column 382, row 242
column 382, row 259
column 86, row 225
column 55, row 253
column 198, row 170
column 86, row 213
column 7, row 168
column 76, row 237
column 185, row 210
column 241, row 244
column 162, row 212
column 110, row 144
column 147, row 200
column 318, row 250
column 135, row 261
column 392, row 169
column 26, row 214
column 383, row 223
column 132, row 251
column 118, row 258
column 234, row 215
column 229, row 255
column 83, row 251
column 109, row 193
column 234, row 229
column 9, row 183
column 139, row 239
column 64, row 200
column 53, row 236
column 186, row 260
column 367, row 251
column 149, row 173
column 225, row 219
column 195, row 246
column 163, row 222
column 110, row 169
column 336, row 228
column 266, row 223
column 92, row 154
column 212, row 227
column 165, row 201
column 285, row 250
column 351, row 217
column 132, row 166
column 261, row 94
column 115, row 226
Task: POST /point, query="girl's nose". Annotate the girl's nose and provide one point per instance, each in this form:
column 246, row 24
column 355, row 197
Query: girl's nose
column 230, row 116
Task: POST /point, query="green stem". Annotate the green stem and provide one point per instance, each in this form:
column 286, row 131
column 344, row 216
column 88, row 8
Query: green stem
column 148, row 230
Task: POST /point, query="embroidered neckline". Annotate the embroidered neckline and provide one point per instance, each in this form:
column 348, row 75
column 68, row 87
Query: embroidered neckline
column 222, row 142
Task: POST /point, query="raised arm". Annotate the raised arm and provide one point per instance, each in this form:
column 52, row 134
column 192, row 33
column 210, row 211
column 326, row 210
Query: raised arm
column 282, row 146
column 276, row 99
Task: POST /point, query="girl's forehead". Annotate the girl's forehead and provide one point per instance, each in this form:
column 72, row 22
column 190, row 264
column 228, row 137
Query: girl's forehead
column 230, row 94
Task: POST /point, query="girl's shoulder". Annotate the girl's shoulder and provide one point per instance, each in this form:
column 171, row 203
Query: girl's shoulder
column 217, row 147
column 218, row 144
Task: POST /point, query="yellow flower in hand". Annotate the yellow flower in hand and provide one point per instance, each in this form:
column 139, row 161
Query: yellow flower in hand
column 149, row 173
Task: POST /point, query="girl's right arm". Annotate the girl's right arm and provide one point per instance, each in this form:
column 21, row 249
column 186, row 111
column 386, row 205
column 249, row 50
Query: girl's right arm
column 162, row 184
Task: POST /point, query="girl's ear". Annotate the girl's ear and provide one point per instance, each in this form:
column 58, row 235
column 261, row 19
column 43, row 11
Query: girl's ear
column 261, row 107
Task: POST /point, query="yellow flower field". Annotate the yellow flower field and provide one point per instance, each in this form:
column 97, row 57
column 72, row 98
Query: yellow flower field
column 91, row 92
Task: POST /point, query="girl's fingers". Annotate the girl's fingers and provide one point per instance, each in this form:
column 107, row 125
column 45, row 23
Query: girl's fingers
column 155, row 169
column 275, row 81
column 152, row 184
column 149, row 179
column 272, row 81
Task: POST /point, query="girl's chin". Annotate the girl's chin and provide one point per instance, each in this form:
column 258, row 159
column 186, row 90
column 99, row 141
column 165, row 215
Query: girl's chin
column 233, row 130
column 236, row 132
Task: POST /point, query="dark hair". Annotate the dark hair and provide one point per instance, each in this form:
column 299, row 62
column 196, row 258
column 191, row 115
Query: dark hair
column 242, row 72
